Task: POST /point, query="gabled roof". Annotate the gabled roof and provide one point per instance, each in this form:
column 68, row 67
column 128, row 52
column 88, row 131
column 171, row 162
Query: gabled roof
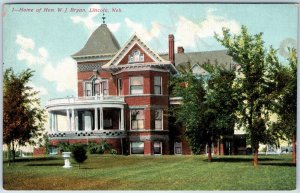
column 134, row 40
column 101, row 42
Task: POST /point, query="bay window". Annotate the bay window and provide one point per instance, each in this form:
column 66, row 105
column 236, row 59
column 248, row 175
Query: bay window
column 157, row 85
column 136, row 85
column 137, row 119
column 158, row 119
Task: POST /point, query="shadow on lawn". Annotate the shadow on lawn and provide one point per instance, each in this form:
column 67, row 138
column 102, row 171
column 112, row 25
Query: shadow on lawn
column 45, row 164
column 279, row 164
column 239, row 159
column 261, row 161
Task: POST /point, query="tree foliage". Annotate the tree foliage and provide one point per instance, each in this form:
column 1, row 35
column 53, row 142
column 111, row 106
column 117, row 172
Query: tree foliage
column 208, row 106
column 79, row 153
column 192, row 91
column 255, row 84
column 285, row 100
column 23, row 118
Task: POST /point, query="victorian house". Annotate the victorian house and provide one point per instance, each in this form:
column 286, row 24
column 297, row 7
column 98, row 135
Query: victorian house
column 123, row 97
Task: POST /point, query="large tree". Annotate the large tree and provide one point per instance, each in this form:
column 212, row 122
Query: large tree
column 23, row 119
column 190, row 112
column 252, row 84
column 285, row 99
column 208, row 106
column 222, row 100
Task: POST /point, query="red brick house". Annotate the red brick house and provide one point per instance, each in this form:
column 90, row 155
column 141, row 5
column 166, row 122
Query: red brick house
column 123, row 97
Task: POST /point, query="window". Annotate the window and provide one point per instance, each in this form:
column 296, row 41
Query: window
column 120, row 87
column 157, row 148
column 178, row 148
column 158, row 119
column 137, row 119
column 136, row 56
column 104, row 86
column 157, row 85
column 136, row 85
column 88, row 89
column 97, row 87
column 137, row 148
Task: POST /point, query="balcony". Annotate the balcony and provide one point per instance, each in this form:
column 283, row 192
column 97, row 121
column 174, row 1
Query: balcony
column 85, row 102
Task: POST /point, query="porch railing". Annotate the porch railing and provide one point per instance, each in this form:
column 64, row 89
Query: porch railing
column 87, row 99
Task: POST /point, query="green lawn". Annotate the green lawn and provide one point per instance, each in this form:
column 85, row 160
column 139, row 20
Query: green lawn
column 153, row 173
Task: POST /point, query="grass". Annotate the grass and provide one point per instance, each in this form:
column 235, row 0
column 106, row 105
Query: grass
column 107, row 172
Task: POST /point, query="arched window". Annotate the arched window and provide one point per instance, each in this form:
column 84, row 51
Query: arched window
column 135, row 56
column 96, row 87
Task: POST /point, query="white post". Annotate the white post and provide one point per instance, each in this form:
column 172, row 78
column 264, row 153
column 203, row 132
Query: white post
column 68, row 120
column 54, row 122
column 50, row 121
column 73, row 121
column 101, row 118
column 96, row 119
column 122, row 119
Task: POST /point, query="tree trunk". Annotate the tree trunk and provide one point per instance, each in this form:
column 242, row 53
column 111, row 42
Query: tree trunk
column 13, row 151
column 221, row 148
column 294, row 149
column 209, row 152
column 255, row 155
column 8, row 155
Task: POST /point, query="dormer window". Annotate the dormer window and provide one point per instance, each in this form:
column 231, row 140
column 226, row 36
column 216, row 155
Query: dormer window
column 136, row 56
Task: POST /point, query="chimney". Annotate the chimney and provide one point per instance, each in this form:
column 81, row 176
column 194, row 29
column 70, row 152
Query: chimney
column 180, row 50
column 171, row 49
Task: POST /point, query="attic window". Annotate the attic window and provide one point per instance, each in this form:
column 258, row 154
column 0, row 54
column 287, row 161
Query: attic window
column 136, row 56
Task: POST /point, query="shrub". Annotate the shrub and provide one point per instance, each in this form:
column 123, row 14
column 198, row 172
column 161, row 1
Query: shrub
column 79, row 153
column 64, row 147
column 93, row 148
column 113, row 151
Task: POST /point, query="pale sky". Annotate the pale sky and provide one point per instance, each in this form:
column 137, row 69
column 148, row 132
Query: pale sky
column 44, row 41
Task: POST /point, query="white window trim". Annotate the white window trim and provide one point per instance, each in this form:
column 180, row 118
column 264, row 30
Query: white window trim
column 175, row 148
column 161, row 148
column 130, row 144
column 131, row 120
column 161, row 88
column 119, row 92
column 101, row 89
column 84, row 88
column 130, row 86
column 162, row 120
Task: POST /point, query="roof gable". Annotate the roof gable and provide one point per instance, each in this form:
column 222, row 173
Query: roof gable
column 134, row 43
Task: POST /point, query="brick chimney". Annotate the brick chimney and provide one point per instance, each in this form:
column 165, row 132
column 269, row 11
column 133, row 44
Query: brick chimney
column 180, row 50
column 171, row 49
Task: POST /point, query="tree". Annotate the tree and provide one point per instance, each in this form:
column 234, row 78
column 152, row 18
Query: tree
column 222, row 100
column 190, row 112
column 79, row 153
column 285, row 101
column 252, row 84
column 208, row 105
column 23, row 119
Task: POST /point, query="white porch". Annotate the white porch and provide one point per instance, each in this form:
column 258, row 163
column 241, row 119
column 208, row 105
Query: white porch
column 86, row 114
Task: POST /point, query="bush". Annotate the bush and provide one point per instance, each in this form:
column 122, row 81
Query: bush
column 79, row 153
column 94, row 148
column 113, row 151
column 64, row 147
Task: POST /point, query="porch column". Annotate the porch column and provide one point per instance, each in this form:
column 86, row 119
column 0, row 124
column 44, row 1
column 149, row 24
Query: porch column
column 73, row 121
column 96, row 119
column 122, row 119
column 76, row 124
column 68, row 120
column 101, row 118
column 50, row 121
column 55, row 123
